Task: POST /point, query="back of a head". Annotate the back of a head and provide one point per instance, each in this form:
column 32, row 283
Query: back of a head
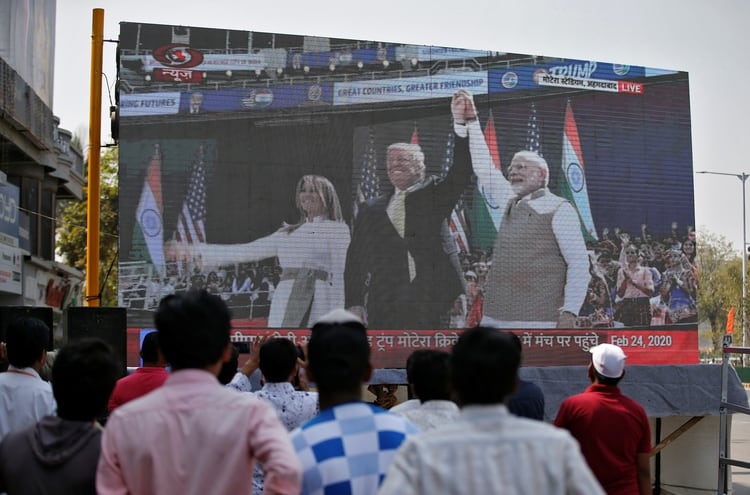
column 193, row 329
column 278, row 357
column 484, row 366
column 338, row 353
column 26, row 340
column 83, row 377
column 428, row 370
column 150, row 348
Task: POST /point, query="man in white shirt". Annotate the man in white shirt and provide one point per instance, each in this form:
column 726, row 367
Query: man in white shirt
column 277, row 360
column 428, row 374
column 24, row 397
column 540, row 270
column 487, row 449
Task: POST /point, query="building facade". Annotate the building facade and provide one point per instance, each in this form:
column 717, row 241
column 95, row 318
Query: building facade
column 39, row 163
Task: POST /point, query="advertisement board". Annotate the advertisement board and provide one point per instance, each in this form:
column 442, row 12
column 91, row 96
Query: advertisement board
column 272, row 184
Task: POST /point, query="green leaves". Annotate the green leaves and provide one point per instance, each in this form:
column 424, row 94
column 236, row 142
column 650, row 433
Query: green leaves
column 71, row 228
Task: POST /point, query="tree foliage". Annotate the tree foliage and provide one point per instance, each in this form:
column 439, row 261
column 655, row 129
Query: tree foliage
column 719, row 285
column 71, row 236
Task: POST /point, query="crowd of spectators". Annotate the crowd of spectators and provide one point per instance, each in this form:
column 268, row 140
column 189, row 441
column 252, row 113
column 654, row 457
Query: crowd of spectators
column 670, row 268
column 671, row 262
column 282, row 438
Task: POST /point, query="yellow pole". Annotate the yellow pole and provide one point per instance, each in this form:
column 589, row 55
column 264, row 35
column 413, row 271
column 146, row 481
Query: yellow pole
column 95, row 126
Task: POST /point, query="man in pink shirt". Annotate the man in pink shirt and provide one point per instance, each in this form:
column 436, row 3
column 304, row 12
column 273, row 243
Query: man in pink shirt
column 192, row 435
column 143, row 380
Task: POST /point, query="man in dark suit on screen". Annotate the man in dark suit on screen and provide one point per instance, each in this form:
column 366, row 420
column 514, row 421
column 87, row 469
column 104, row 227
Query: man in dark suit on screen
column 402, row 268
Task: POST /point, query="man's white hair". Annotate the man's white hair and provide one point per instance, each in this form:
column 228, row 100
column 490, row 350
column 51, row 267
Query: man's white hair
column 534, row 157
column 413, row 150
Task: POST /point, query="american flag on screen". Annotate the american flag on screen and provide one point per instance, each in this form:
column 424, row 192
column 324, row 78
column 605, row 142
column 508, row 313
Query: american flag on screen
column 191, row 222
column 369, row 186
column 533, row 135
column 457, row 220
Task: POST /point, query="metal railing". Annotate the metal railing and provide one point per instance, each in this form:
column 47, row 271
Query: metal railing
column 725, row 408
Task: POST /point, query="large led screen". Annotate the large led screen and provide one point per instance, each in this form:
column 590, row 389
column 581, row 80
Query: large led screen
column 428, row 189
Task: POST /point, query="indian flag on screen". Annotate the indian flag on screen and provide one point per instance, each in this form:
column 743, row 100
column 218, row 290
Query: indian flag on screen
column 484, row 217
column 573, row 187
column 149, row 212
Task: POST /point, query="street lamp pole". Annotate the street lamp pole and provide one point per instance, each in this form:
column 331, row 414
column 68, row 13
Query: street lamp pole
column 743, row 178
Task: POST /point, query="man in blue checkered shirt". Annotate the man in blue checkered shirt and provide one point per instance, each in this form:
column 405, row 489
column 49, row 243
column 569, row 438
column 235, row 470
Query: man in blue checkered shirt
column 349, row 446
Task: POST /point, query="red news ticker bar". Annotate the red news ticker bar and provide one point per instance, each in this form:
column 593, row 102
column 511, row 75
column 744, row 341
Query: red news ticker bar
column 548, row 347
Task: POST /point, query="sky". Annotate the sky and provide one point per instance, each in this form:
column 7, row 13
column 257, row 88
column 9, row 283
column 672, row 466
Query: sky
column 708, row 39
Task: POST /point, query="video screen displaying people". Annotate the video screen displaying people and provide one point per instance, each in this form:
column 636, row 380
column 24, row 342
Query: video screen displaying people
column 422, row 188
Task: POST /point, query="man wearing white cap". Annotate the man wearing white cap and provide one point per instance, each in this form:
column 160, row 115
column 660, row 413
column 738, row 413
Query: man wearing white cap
column 612, row 429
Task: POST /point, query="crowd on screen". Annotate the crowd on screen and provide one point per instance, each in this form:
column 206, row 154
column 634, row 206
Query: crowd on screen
column 671, row 261
column 242, row 285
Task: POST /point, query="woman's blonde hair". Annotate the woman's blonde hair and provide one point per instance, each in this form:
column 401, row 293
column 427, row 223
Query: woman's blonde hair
column 327, row 193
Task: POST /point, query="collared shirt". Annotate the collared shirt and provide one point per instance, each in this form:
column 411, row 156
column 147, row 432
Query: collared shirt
column 348, row 448
column 488, row 450
column 611, row 452
column 240, row 382
column 24, row 399
column 140, row 382
column 192, row 436
column 433, row 413
column 293, row 408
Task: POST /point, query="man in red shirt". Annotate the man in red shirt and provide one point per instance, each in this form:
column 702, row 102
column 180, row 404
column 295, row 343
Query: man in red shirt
column 143, row 380
column 612, row 429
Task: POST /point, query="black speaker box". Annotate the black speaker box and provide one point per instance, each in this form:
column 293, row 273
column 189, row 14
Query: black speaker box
column 108, row 324
column 10, row 313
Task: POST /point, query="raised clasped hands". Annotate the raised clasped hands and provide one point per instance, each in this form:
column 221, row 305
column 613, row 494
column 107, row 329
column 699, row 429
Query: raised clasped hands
column 462, row 107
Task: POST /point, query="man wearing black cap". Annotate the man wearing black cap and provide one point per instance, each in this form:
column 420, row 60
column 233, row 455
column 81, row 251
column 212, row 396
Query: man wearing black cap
column 348, row 447
column 612, row 429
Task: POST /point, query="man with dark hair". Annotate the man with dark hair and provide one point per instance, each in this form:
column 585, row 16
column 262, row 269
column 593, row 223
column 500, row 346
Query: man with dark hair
column 146, row 378
column 346, row 448
column 487, row 449
column 428, row 375
column 24, row 397
column 59, row 454
column 528, row 399
column 192, row 435
column 277, row 360
column 613, row 430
